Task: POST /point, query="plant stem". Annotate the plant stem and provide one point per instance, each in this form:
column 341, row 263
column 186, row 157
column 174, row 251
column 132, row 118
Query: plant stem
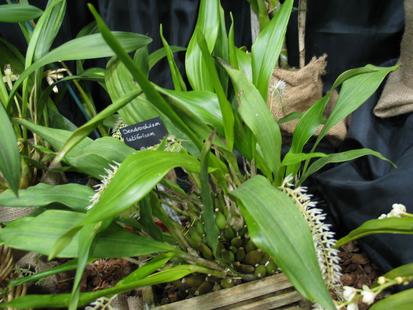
column 302, row 14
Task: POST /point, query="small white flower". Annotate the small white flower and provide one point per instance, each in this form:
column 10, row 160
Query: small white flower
column 381, row 280
column 397, row 211
column 349, row 293
column 368, row 295
column 352, row 306
column 53, row 76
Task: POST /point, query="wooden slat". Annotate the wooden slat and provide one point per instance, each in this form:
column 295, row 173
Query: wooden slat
column 272, row 302
column 234, row 295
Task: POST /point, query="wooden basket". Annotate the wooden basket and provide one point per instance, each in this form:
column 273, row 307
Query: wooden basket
column 274, row 292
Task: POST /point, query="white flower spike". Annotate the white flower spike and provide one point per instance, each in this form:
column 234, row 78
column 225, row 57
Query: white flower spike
column 323, row 238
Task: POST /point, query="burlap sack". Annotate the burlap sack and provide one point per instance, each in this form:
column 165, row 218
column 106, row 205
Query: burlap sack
column 296, row 91
column 397, row 96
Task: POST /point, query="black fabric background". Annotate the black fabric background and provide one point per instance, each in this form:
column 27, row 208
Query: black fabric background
column 352, row 33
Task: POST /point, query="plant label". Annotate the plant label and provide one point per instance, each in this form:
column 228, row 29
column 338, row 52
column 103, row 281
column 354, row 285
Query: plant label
column 144, row 134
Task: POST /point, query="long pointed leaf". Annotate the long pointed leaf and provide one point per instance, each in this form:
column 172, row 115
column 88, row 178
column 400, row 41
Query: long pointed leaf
column 62, row 300
column 339, row 158
column 13, row 13
column 74, row 196
column 9, row 152
column 257, row 116
column 267, row 48
column 208, row 216
column 354, row 93
column 39, row 234
column 177, row 79
column 276, row 225
column 202, row 105
column 225, row 105
column 403, row 225
column 399, row 301
column 207, row 24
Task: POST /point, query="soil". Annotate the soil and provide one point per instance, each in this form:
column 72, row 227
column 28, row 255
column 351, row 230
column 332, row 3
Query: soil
column 357, row 269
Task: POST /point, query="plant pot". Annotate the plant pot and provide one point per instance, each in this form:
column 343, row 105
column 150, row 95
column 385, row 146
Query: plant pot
column 273, row 292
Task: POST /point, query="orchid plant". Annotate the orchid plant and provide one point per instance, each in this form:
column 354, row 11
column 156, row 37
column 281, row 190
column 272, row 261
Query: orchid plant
column 241, row 191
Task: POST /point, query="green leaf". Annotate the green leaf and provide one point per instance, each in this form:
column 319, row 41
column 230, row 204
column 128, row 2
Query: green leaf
column 339, row 158
column 392, row 225
column 290, row 117
column 83, row 131
column 221, row 49
column 208, row 217
column 244, row 62
column 88, row 156
column 276, row 225
column 45, row 31
column 293, row 158
column 119, row 82
column 13, row 13
column 353, row 98
column 354, row 92
column 232, row 49
column 308, row 124
column 39, row 234
column 86, row 238
column 86, row 47
column 257, row 116
column 401, row 271
column 201, row 105
column 135, row 178
column 74, row 196
column 9, row 152
column 150, row 92
column 94, row 158
column 225, row 105
column 208, row 24
column 267, row 48
column 62, row 300
column 146, row 219
column 399, row 301
column 147, row 269
column 177, row 79
column 159, row 54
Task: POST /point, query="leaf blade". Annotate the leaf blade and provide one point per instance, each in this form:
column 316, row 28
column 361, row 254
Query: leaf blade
column 403, row 225
column 75, row 196
column 9, row 152
column 267, row 48
column 13, row 13
column 268, row 213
